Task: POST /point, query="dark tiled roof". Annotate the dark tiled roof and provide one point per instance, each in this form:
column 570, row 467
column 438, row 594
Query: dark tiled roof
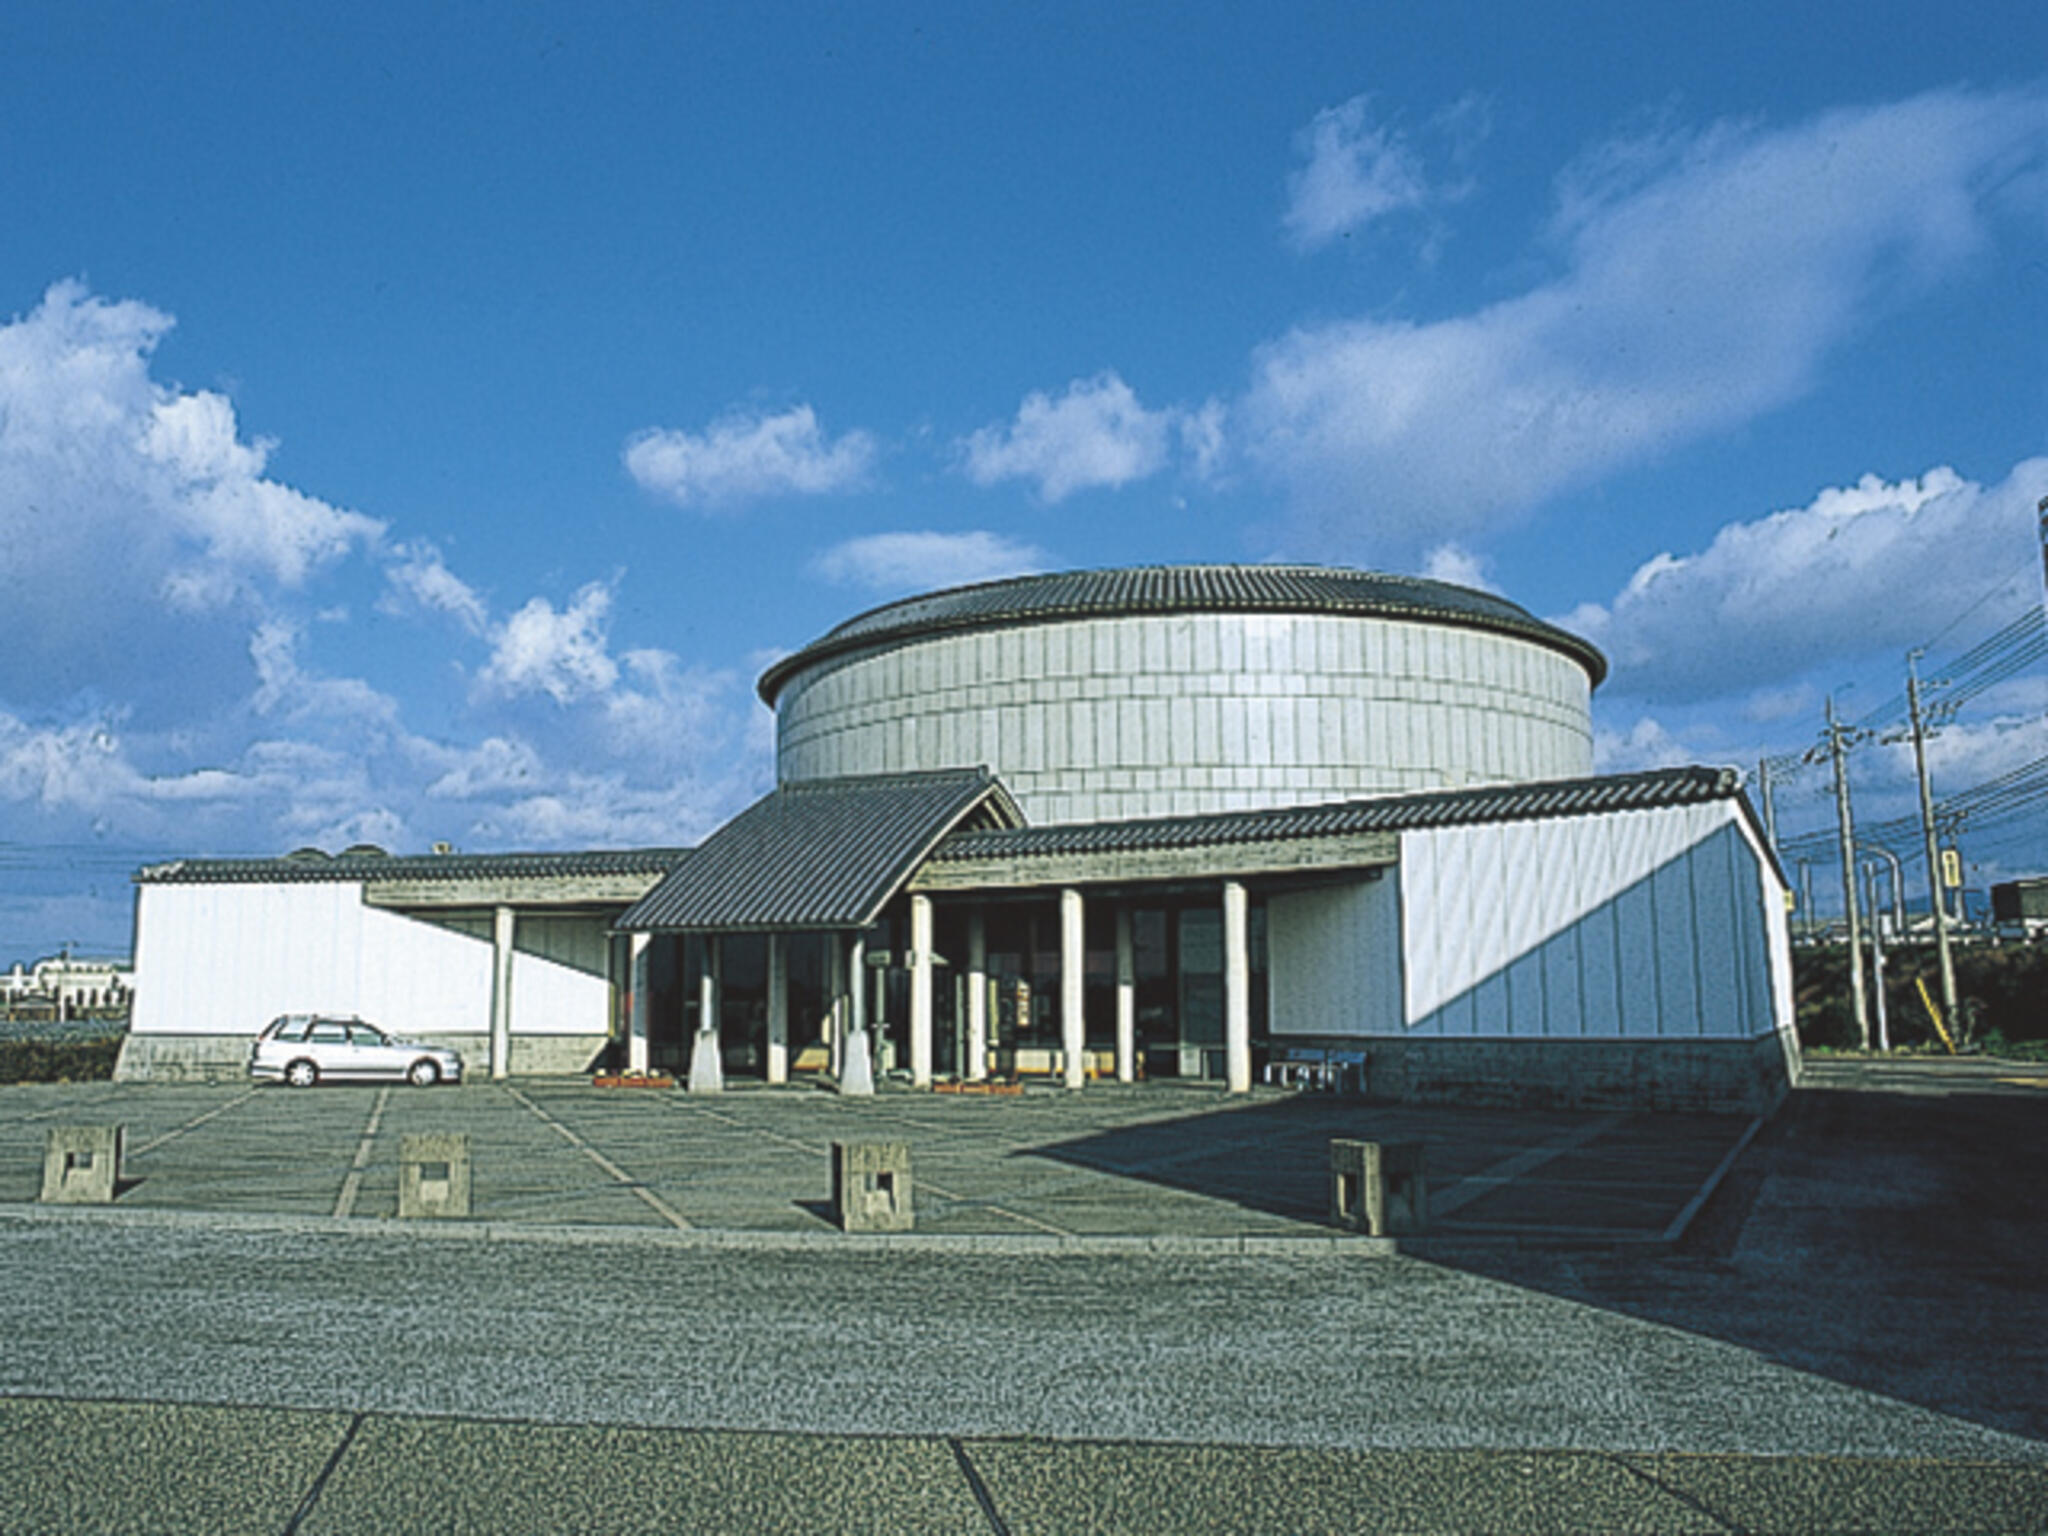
column 312, row 865
column 1388, row 813
column 821, row 853
column 1157, row 589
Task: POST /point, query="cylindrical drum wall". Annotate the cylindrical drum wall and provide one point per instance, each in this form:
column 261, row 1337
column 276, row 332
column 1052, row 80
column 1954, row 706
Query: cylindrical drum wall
column 1109, row 717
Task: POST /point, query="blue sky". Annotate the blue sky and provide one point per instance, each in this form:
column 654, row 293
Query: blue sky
column 423, row 422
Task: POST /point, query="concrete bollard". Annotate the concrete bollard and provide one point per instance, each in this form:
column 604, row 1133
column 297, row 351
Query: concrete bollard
column 871, row 1186
column 1378, row 1188
column 82, row 1164
column 433, row 1175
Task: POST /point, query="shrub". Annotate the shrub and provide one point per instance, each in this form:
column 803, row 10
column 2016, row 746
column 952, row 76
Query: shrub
column 73, row 1060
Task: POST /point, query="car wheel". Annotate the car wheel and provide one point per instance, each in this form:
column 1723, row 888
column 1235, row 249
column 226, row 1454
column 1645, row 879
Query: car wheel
column 302, row 1074
column 423, row 1074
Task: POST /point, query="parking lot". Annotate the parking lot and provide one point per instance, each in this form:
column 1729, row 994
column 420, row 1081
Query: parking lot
column 1156, row 1162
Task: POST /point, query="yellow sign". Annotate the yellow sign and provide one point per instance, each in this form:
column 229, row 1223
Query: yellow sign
column 1951, row 869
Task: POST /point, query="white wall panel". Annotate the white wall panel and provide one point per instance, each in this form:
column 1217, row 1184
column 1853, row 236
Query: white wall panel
column 226, row 959
column 1334, row 959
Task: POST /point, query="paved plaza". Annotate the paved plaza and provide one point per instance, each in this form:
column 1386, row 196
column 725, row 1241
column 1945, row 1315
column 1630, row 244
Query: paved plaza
column 1153, row 1162
column 1123, row 1310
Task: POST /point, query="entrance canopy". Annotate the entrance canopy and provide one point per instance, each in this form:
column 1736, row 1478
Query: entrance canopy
column 820, row 854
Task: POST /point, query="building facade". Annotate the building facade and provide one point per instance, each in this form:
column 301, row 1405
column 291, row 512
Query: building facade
column 1219, row 822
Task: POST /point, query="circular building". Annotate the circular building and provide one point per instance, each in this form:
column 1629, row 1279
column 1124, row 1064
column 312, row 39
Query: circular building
column 1177, row 690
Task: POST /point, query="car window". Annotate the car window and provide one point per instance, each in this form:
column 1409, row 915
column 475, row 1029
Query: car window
column 327, row 1032
column 366, row 1034
column 292, row 1029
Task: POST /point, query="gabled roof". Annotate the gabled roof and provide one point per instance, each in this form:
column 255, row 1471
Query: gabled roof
column 1158, row 589
column 312, row 865
column 819, row 854
column 1387, row 813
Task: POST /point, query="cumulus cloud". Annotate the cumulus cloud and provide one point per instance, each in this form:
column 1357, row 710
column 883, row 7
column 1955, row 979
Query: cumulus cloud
column 1096, row 434
column 1357, row 171
column 1701, row 281
column 1876, row 565
column 560, row 652
column 1458, row 565
column 143, row 495
column 909, row 562
column 417, row 578
column 748, row 456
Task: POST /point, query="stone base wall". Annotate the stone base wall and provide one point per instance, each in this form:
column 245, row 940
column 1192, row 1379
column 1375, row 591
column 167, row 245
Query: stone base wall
column 154, row 1058
column 1698, row 1076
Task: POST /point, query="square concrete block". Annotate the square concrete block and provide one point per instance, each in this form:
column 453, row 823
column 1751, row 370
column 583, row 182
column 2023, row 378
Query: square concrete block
column 1378, row 1188
column 433, row 1175
column 81, row 1164
column 871, row 1186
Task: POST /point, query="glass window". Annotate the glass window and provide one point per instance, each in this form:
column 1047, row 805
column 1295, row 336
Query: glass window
column 330, row 1032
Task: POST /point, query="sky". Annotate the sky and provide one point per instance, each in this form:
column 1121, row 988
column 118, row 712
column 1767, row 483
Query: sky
column 423, row 422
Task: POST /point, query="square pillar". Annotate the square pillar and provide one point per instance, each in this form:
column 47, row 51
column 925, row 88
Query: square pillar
column 834, row 1022
column 504, row 928
column 871, row 1186
column 82, row 1164
column 856, row 1058
column 778, row 1008
column 433, row 1175
column 1378, row 1188
column 1237, row 988
column 1126, row 999
column 1073, row 987
column 977, row 997
column 920, row 991
column 636, row 1003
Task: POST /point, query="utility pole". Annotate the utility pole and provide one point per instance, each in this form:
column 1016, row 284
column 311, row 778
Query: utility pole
column 1935, row 904
column 1763, row 789
column 1837, row 753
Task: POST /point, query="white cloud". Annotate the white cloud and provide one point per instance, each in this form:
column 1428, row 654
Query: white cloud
column 1701, row 282
column 559, row 652
column 1356, row 171
column 747, row 456
column 1096, row 434
column 909, row 562
column 131, row 509
column 499, row 765
column 1458, row 565
column 417, row 576
column 1873, row 566
column 1644, row 745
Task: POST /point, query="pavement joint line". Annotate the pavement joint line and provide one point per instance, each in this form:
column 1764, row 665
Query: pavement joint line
column 1705, row 1192
column 977, row 1487
column 1000, row 1210
column 345, row 1205
column 319, row 1483
column 660, row 1206
column 1508, row 1169
column 1697, row 1506
column 173, row 1135
column 1312, row 1245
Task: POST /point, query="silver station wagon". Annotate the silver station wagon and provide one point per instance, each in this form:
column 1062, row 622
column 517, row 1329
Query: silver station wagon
column 306, row 1048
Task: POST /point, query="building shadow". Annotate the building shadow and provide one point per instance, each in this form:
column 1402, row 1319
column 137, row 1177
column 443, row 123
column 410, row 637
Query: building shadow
column 1887, row 1241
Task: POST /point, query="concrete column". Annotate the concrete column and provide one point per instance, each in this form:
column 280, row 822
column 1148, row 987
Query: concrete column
column 977, row 996
column 707, row 1060
column 1126, row 999
column 778, row 1008
column 857, row 1072
column 1237, row 988
column 835, row 1001
column 1073, row 984
column 504, row 925
column 920, row 991
column 636, row 1003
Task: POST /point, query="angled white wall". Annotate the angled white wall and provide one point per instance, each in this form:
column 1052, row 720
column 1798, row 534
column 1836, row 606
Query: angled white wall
column 1629, row 925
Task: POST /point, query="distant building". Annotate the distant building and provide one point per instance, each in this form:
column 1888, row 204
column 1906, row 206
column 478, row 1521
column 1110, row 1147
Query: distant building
column 1217, row 822
column 2021, row 906
column 70, row 985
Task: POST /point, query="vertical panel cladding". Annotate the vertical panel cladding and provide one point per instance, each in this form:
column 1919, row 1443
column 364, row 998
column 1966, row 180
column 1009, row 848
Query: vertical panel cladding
column 1716, row 935
column 1339, row 705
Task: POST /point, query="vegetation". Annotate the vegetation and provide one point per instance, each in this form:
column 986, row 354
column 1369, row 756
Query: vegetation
column 2003, row 998
column 68, row 1059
